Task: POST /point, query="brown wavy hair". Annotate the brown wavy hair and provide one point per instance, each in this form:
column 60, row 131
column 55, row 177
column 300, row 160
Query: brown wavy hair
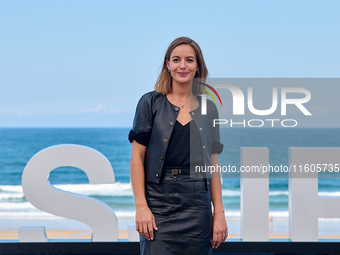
column 164, row 81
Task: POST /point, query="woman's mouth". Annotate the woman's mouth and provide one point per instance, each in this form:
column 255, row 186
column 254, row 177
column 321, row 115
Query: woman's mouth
column 182, row 73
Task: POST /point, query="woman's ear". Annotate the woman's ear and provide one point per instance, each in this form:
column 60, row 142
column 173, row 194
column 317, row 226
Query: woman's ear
column 167, row 64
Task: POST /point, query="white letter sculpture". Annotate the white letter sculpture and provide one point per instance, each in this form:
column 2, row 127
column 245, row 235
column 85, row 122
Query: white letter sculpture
column 41, row 194
column 305, row 207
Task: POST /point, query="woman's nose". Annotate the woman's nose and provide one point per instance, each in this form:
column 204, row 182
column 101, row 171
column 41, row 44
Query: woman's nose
column 182, row 65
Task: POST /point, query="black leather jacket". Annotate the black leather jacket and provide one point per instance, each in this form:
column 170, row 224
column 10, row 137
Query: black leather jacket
column 152, row 126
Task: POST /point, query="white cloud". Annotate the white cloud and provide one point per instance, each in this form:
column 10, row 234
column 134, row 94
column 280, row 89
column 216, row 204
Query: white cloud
column 115, row 110
column 15, row 112
column 64, row 113
column 96, row 109
column 100, row 109
column 317, row 109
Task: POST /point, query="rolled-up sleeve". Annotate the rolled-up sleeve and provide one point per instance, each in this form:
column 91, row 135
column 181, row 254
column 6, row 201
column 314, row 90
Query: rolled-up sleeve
column 217, row 146
column 142, row 122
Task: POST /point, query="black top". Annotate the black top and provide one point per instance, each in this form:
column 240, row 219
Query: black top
column 144, row 137
column 184, row 145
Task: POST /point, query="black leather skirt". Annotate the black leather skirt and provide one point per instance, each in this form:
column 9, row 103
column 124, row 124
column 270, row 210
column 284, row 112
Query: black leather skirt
column 181, row 205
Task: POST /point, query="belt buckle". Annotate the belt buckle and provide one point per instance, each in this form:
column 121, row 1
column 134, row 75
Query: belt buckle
column 175, row 171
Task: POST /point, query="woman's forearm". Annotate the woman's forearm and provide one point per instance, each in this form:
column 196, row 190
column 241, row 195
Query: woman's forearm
column 220, row 227
column 137, row 181
column 216, row 195
column 216, row 189
column 145, row 221
column 137, row 174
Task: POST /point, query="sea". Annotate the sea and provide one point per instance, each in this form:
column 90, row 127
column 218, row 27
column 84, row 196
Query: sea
column 19, row 145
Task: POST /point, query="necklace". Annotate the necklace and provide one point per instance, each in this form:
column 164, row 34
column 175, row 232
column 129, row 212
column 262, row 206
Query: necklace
column 182, row 105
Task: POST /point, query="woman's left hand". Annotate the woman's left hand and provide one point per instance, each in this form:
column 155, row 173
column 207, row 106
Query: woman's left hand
column 220, row 229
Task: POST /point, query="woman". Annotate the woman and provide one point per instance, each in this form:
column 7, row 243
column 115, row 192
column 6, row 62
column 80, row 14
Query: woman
column 173, row 208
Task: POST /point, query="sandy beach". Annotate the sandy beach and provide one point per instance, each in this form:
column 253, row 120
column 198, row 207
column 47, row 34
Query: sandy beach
column 12, row 234
column 68, row 229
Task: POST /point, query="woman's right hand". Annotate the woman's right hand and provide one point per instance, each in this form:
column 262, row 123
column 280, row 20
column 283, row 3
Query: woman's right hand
column 145, row 222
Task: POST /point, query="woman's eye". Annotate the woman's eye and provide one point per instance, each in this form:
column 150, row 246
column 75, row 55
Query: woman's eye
column 190, row 60
column 176, row 60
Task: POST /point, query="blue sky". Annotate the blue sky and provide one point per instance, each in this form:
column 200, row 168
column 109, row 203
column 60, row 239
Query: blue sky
column 86, row 63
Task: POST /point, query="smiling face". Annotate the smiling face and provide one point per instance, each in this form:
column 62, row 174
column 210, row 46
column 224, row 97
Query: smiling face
column 182, row 64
